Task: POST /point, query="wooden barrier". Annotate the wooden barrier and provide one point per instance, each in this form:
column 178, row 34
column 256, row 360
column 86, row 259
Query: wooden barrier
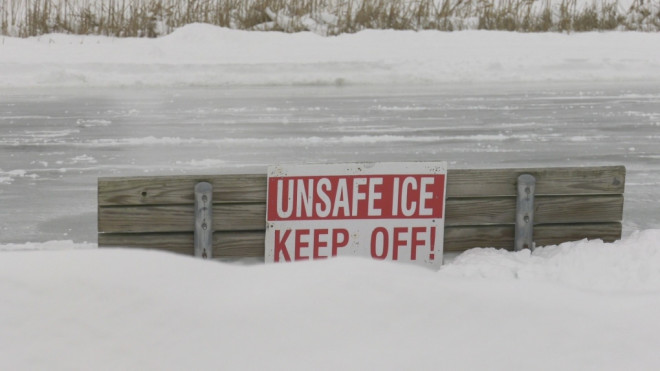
column 158, row 212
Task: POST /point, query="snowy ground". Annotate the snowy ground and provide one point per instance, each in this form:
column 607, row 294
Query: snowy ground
column 203, row 55
column 582, row 306
column 209, row 100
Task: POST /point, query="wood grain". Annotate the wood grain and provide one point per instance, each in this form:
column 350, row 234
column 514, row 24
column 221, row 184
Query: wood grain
column 549, row 181
column 167, row 190
column 463, row 238
column 158, row 212
column 251, row 244
column 462, row 211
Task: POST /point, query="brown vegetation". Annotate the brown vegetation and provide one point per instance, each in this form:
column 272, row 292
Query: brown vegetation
column 151, row 18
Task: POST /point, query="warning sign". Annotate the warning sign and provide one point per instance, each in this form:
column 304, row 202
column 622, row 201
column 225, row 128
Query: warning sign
column 392, row 211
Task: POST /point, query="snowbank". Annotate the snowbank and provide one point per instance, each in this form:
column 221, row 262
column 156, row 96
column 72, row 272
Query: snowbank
column 629, row 265
column 205, row 55
column 583, row 306
column 48, row 245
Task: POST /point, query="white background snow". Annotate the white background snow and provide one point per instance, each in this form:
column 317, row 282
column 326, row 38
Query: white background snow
column 204, row 55
column 65, row 305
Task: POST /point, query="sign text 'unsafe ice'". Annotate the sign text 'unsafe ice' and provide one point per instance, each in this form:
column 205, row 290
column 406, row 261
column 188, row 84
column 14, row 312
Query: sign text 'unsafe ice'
column 392, row 211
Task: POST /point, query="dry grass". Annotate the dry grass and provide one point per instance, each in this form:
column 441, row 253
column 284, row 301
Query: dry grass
column 151, row 18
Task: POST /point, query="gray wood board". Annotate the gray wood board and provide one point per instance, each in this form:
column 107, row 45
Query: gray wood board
column 251, row 244
column 166, row 190
column 461, row 211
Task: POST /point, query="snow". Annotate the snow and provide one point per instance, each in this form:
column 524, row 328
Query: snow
column 583, row 305
column 204, row 55
column 8, row 177
column 628, row 265
column 64, row 304
column 46, row 246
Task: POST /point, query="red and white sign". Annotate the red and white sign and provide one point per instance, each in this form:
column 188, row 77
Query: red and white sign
column 386, row 211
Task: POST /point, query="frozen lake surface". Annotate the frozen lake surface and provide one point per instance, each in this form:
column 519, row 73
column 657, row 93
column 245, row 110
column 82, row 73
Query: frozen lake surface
column 56, row 142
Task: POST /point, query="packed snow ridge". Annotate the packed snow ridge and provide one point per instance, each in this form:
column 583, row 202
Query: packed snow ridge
column 584, row 305
column 204, row 55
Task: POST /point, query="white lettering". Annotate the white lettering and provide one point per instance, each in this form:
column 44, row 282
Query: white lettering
column 280, row 211
column 424, row 195
column 304, row 198
column 408, row 183
column 357, row 195
column 395, row 198
column 341, row 199
column 321, row 188
column 373, row 195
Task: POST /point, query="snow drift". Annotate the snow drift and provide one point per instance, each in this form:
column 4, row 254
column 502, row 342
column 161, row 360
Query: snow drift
column 204, row 55
column 584, row 305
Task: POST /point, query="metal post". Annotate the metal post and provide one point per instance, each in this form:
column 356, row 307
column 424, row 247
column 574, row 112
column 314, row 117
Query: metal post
column 525, row 213
column 204, row 220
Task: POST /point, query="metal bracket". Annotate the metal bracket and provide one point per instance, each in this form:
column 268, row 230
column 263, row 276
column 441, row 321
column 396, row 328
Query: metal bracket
column 204, row 220
column 525, row 213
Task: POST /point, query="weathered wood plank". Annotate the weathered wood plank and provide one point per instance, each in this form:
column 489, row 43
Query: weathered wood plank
column 463, row 238
column 165, row 190
column 547, row 209
column 251, row 244
column 462, row 211
column 239, row 245
column 179, row 218
column 234, row 244
column 549, row 181
column 552, row 234
column 181, row 243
